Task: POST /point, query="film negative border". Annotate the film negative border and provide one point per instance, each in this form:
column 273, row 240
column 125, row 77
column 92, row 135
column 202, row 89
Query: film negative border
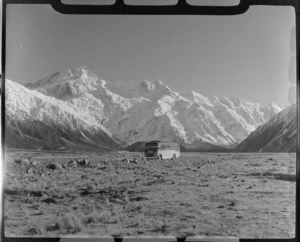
column 181, row 8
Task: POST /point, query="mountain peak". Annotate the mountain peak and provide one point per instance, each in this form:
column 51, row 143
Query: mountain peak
column 148, row 85
column 151, row 89
column 73, row 72
column 154, row 85
column 195, row 97
column 274, row 106
column 66, row 74
column 68, row 83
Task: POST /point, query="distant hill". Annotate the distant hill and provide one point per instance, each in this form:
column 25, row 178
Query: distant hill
column 279, row 134
column 140, row 147
column 136, row 147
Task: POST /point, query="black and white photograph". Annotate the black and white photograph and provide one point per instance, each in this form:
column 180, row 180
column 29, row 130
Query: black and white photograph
column 150, row 126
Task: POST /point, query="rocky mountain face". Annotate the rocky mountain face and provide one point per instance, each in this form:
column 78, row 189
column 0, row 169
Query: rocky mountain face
column 74, row 106
column 279, row 134
column 34, row 120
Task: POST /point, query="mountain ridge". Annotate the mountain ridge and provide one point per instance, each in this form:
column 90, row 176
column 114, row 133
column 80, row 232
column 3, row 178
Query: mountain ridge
column 148, row 110
column 34, row 120
column 279, row 134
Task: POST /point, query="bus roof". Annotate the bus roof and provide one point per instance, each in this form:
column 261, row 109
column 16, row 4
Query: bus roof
column 157, row 141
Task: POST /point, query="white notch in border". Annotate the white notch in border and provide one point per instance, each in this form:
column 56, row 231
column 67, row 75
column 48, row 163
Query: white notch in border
column 89, row 240
column 212, row 239
column 89, row 2
column 214, row 3
column 147, row 239
column 150, row 2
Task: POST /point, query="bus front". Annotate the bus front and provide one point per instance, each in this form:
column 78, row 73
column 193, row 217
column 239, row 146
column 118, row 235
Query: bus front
column 151, row 150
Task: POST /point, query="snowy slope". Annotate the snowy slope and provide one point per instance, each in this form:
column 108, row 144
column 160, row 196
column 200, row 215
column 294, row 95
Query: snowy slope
column 34, row 120
column 150, row 110
column 279, row 134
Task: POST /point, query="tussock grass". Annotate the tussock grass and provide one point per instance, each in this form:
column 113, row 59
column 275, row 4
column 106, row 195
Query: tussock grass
column 69, row 224
column 91, row 218
column 142, row 200
column 72, row 224
column 103, row 215
column 91, row 187
column 34, row 231
column 161, row 227
column 115, row 232
column 54, row 227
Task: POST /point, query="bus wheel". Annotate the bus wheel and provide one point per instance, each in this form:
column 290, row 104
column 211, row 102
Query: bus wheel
column 174, row 157
column 160, row 157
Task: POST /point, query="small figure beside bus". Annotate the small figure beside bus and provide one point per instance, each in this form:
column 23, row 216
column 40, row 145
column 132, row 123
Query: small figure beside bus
column 162, row 150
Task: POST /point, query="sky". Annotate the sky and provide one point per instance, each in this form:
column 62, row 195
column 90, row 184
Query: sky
column 244, row 55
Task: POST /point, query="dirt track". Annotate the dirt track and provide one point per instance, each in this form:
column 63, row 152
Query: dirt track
column 238, row 195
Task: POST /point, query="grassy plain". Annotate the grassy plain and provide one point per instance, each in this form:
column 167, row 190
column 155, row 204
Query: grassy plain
column 245, row 195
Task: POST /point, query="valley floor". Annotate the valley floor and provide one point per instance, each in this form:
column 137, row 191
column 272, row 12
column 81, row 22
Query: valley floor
column 245, row 195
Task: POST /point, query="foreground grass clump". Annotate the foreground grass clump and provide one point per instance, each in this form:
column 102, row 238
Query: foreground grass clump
column 69, row 224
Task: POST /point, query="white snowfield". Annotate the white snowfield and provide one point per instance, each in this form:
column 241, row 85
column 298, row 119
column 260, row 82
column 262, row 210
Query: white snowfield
column 135, row 111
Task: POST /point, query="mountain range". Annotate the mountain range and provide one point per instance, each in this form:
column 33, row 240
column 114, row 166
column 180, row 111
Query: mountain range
column 74, row 108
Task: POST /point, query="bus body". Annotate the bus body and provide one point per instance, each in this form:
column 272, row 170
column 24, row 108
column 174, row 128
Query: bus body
column 162, row 150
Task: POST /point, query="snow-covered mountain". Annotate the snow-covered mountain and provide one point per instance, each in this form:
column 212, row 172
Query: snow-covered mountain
column 135, row 111
column 279, row 134
column 34, row 120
